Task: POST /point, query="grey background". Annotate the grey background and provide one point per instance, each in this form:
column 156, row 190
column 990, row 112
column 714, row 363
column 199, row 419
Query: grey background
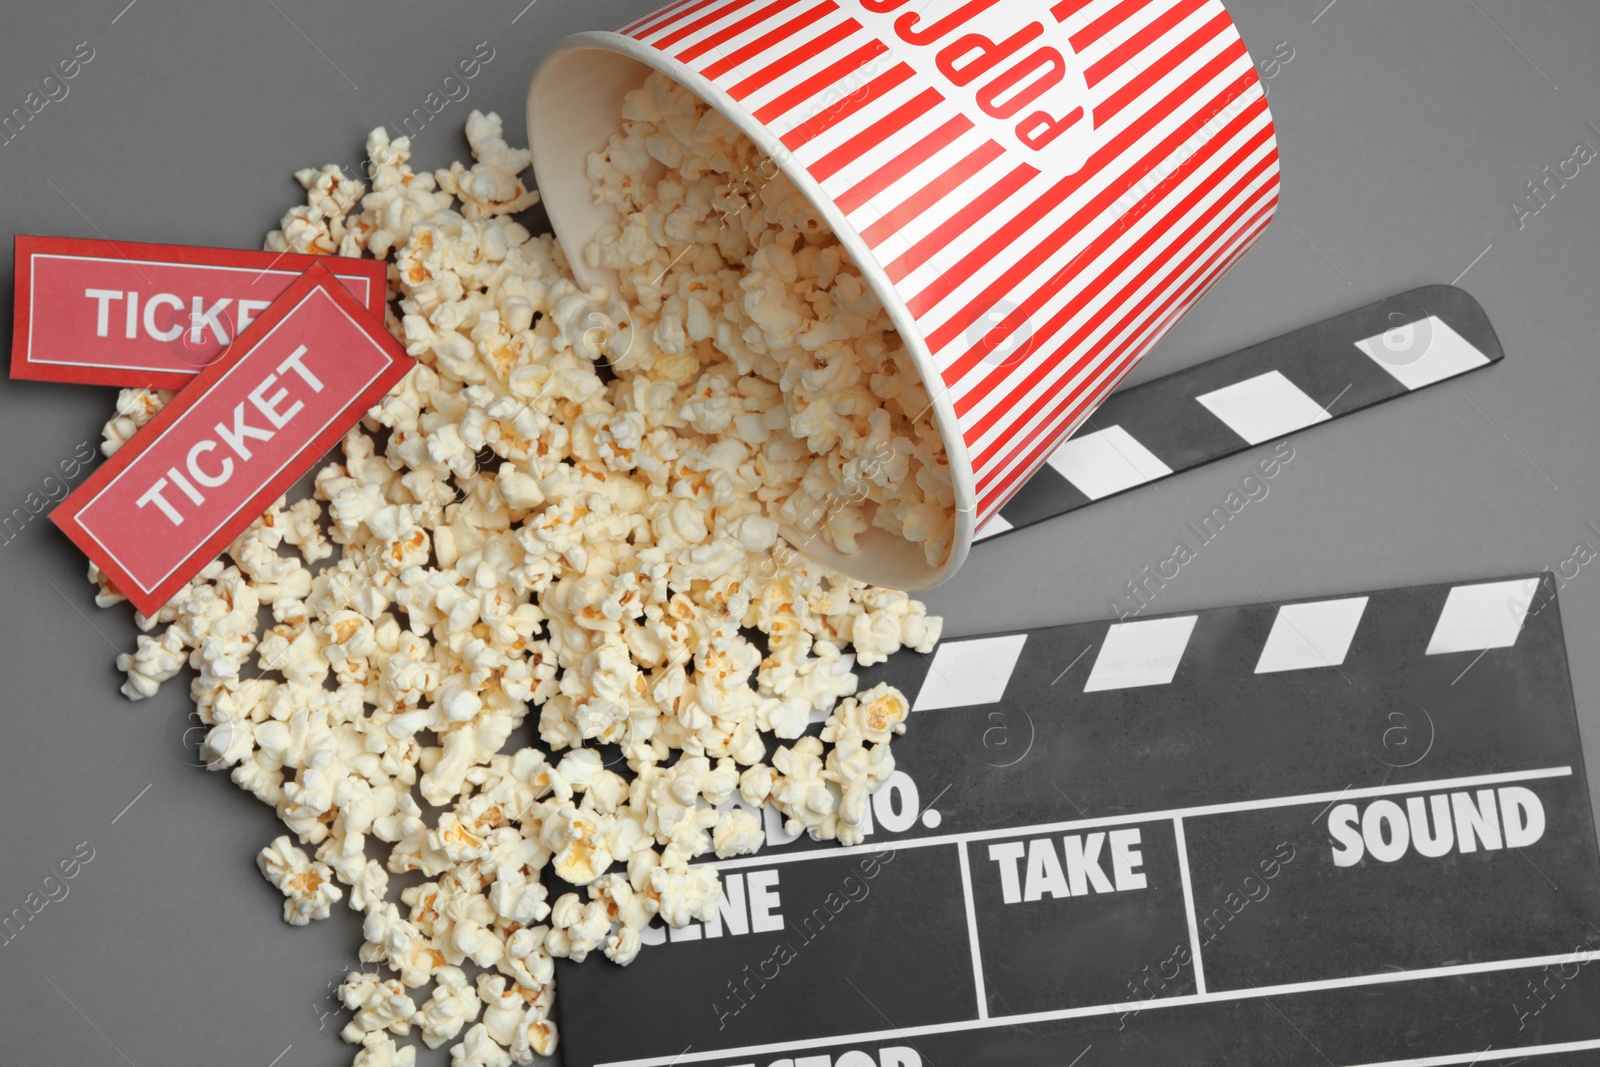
column 1405, row 130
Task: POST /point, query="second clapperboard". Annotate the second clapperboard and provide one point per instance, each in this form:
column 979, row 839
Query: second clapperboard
column 1225, row 405
column 1353, row 830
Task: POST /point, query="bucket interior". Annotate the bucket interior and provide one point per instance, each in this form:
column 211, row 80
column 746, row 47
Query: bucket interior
column 574, row 104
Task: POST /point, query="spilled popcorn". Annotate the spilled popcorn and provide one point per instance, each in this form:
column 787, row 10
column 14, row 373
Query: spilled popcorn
column 571, row 505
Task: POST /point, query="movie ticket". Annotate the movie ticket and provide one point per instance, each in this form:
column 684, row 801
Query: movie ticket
column 119, row 313
column 252, row 423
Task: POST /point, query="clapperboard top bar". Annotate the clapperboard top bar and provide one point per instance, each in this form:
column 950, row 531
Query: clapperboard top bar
column 1149, row 834
column 1223, row 406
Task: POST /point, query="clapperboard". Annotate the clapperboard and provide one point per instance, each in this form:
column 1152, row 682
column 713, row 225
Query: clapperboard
column 1257, row 394
column 1352, row 830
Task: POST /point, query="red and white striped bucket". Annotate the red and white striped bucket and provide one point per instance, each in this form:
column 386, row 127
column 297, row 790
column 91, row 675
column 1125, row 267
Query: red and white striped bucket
column 1036, row 192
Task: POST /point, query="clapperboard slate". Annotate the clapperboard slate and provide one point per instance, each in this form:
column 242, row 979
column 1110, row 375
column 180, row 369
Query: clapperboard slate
column 1342, row 831
column 1225, row 405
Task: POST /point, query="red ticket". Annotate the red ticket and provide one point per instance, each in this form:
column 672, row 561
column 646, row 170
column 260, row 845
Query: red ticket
column 119, row 313
column 248, row 426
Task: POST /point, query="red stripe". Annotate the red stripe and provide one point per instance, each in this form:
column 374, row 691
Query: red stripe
column 995, row 245
column 1180, row 297
column 1047, row 435
column 990, row 251
column 1068, row 8
column 961, row 222
column 772, row 39
column 977, row 262
column 874, row 136
column 629, row 27
column 1119, row 302
column 1045, row 338
column 812, row 87
column 732, row 30
column 790, row 60
column 687, row 28
column 1106, row 23
column 664, row 25
column 662, row 19
column 1056, row 430
column 915, row 204
column 997, row 377
column 1107, row 109
column 837, row 113
column 1057, row 404
column 1006, row 283
column 1125, row 51
column 656, row 20
column 902, row 164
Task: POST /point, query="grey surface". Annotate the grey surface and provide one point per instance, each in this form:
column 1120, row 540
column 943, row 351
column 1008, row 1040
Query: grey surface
column 1405, row 131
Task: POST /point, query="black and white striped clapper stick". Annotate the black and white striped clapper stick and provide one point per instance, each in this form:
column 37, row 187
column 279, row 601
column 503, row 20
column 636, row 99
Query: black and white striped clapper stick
column 1353, row 830
column 1255, row 395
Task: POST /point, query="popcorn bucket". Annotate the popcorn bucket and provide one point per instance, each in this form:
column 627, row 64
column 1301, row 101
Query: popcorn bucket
column 1035, row 192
